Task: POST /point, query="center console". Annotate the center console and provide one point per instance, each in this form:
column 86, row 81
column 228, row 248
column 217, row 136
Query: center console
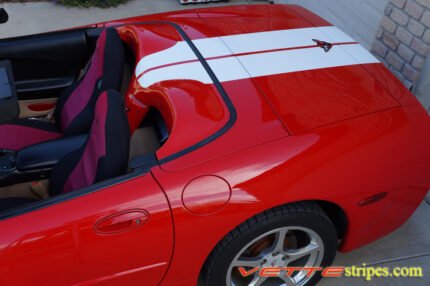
column 35, row 162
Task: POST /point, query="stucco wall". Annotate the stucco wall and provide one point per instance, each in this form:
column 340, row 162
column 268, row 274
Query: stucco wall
column 358, row 18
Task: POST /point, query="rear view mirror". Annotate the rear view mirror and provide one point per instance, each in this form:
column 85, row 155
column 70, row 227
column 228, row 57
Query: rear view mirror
column 4, row 17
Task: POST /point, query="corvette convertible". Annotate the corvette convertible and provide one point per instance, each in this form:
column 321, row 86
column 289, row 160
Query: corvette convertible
column 200, row 147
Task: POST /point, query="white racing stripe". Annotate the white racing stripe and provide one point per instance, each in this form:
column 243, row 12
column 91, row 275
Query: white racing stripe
column 192, row 71
column 252, row 55
column 244, row 43
column 284, row 39
column 303, row 60
column 262, row 64
column 180, row 52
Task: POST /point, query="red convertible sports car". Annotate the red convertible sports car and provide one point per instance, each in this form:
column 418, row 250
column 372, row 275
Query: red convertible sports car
column 200, row 145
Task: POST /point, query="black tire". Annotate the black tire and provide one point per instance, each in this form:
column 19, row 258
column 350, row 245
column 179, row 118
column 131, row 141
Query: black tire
column 306, row 215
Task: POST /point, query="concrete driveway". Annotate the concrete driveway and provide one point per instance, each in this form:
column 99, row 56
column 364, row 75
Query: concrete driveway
column 408, row 246
column 31, row 18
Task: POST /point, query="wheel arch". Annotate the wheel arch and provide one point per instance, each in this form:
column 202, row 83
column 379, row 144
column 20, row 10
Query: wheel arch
column 337, row 215
column 334, row 212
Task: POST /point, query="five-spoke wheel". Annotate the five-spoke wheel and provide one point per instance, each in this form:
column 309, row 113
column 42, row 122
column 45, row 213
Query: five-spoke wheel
column 279, row 248
column 286, row 241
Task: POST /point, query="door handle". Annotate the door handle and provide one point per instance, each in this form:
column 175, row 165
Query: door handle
column 121, row 222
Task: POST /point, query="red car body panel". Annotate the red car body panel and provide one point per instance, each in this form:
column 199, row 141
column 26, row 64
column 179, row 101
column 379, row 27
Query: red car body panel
column 59, row 245
column 339, row 135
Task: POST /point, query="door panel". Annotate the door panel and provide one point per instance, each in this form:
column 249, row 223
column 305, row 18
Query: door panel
column 43, row 65
column 59, row 244
column 36, row 107
column 43, row 88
